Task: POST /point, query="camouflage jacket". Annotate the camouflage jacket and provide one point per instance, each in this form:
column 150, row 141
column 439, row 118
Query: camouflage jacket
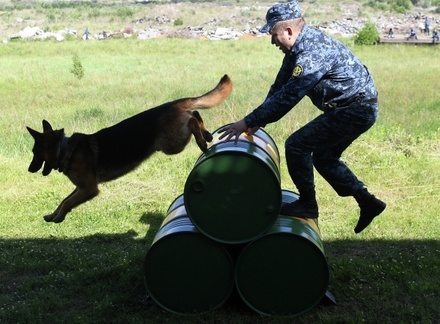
column 321, row 68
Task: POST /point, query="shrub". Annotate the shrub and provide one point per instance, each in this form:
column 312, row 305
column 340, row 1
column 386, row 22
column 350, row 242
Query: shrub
column 178, row 22
column 368, row 35
column 77, row 70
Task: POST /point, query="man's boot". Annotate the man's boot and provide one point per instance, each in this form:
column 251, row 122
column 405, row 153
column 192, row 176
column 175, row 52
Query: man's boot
column 370, row 207
column 305, row 207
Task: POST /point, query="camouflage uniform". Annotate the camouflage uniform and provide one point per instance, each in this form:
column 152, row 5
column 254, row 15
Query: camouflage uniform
column 337, row 83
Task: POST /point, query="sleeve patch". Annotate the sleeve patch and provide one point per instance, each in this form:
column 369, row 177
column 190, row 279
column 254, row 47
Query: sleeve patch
column 297, row 71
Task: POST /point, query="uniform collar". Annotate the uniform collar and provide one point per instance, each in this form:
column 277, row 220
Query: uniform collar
column 299, row 44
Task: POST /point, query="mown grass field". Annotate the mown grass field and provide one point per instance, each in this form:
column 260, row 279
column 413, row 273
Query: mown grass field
column 88, row 269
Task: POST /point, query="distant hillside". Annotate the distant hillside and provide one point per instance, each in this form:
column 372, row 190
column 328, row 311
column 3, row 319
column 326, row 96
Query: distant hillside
column 179, row 19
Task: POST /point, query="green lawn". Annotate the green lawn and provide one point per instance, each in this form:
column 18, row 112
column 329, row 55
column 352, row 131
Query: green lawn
column 88, row 269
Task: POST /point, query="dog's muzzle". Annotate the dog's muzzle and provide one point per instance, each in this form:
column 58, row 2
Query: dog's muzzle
column 36, row 165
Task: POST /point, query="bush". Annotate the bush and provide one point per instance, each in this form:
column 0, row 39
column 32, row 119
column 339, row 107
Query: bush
column 368, row 35
column 178, row 22
column 77, row 69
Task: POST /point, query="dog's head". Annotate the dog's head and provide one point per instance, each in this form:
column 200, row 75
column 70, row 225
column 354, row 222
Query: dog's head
column 46, row 148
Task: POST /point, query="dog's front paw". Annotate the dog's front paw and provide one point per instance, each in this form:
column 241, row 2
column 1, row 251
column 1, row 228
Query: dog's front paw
column 58, row 219
column 49, row 218
column 55, row 218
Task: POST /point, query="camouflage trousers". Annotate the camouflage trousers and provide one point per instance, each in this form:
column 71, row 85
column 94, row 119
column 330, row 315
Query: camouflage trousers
column 321, row 142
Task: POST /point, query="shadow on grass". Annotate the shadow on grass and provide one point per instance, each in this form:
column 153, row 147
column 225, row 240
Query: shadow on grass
column 99, row 279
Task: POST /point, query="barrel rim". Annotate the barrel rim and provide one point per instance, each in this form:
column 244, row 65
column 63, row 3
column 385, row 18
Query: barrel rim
column 240, row 149
column 272, row 143
column 260, row 130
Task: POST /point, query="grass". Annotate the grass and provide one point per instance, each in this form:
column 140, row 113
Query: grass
column 89, row 268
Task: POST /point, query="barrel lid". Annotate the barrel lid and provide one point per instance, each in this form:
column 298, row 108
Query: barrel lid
column 260, row 138
column 187, row 273
column 284, row 272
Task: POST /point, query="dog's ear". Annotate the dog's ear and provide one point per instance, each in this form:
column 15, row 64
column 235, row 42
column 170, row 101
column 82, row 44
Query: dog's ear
column 46, row 126
column 34, row 133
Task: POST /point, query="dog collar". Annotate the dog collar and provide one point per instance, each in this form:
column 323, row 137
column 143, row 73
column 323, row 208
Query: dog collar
column 62, row 152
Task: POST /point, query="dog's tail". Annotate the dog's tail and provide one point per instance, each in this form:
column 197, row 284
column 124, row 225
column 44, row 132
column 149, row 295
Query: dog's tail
column 210, row 99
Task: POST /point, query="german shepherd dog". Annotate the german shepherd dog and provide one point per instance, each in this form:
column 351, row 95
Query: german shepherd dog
column 89, row 159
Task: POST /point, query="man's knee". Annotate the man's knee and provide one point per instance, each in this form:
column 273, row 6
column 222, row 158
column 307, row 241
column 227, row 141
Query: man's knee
column 291, row 141
column 293, row 148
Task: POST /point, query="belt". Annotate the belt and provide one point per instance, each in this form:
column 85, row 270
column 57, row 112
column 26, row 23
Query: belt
column 351, row 102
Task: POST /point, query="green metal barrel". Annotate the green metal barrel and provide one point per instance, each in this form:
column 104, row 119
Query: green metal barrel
column 185, row 272
column 233, row 193
column 285, row 271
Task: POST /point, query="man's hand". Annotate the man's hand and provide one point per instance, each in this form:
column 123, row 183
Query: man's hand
column 236, row 129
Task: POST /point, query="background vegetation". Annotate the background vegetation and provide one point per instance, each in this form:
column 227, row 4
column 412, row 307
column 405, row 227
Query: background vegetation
column 369, row 35
column 110, row 16
column 89, row 268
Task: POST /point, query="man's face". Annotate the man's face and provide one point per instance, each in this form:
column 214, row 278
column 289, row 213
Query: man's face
column 282, row 37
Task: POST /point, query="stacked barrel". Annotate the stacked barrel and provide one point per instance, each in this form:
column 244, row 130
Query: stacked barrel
column 231, row 202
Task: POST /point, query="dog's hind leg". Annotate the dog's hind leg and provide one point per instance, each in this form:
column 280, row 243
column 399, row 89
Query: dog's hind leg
column 205, row 133
column 197, row 127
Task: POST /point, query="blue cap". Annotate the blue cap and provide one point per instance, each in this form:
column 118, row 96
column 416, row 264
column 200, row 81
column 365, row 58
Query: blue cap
column 280, row 12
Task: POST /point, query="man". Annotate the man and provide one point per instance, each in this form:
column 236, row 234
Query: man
column 322, row 68
column 427, row 24
column 412, row 34
column 435, row 36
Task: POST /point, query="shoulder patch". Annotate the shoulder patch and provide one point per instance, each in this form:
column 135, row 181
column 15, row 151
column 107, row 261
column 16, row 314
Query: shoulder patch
column 297, row 71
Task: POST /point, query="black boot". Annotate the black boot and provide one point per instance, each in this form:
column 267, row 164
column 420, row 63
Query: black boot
column 298, row 208
column 370, row 207
column 305, row 207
